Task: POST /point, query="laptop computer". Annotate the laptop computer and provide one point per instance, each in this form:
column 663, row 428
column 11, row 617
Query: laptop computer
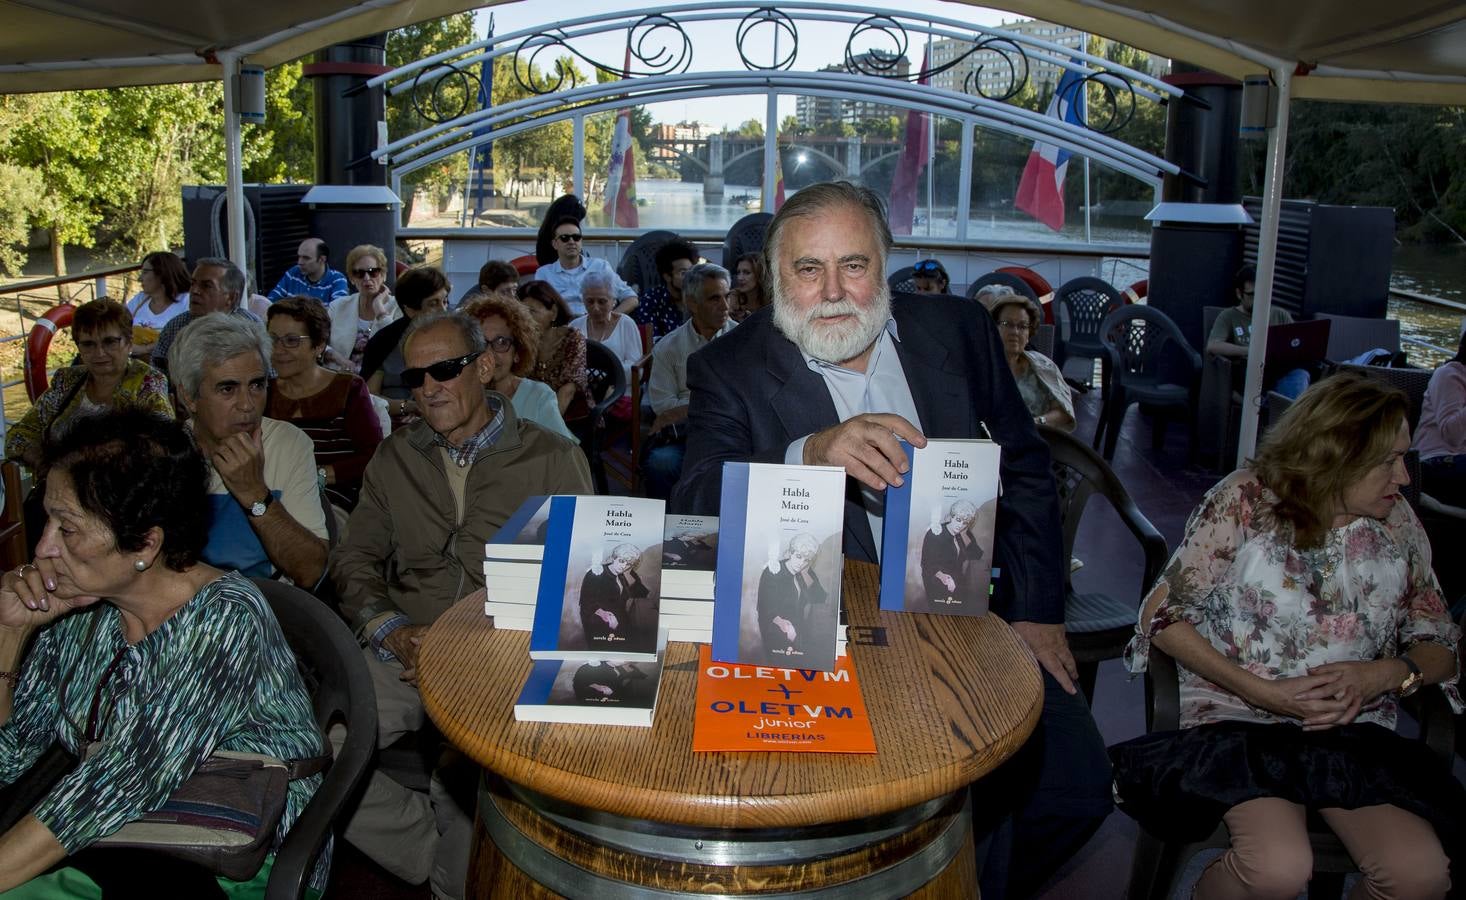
column 1297, row 344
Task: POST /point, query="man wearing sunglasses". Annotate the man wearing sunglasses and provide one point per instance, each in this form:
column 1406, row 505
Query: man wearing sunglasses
column 435, row 492
column 567, row 272
column 312, row 275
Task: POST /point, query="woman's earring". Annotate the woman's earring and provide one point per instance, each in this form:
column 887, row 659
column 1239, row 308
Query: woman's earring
column 140, row 565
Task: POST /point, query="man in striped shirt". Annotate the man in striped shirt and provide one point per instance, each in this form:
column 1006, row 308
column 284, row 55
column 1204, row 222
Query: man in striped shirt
column 312, row 276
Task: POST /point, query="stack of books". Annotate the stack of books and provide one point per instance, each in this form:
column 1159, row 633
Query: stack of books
column 689, row 558
column 583, row 574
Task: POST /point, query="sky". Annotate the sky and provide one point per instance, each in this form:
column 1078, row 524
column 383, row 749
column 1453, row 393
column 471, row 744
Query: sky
column 714, row 48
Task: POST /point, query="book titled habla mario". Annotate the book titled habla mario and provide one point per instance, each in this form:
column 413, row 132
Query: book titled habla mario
column 592, row 692
column 776, row 596
column 781, row 709
column 937, row 543
column 600, row 581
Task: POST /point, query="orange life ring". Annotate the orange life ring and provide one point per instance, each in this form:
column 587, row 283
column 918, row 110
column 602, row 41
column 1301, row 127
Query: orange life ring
column 525, row 265
column 39, row 343
column 1137, row 291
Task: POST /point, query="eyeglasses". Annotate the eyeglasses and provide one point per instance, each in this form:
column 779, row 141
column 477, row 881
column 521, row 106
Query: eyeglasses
column 567, row 238
column 1013, row 326
column 373, row 272
column 146, row 270
column 291, row 341
column 501, row 344
column 927, row 267
column 445, row 370
column 110, row 342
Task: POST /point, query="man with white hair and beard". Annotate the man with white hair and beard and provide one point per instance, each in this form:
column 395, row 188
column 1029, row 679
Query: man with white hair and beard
column 833, row 374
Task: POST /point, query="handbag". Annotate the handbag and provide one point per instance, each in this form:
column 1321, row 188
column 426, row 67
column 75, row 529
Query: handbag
column 223, row 818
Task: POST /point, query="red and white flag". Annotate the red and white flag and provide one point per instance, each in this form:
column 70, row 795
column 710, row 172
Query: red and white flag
column 620, row 205
column 1041, row 190
column 914, row 152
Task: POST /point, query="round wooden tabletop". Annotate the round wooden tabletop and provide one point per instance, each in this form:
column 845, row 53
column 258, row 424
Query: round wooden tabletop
column 949, row 697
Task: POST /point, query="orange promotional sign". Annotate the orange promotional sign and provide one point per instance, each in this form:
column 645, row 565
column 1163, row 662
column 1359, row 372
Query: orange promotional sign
column 773, row 708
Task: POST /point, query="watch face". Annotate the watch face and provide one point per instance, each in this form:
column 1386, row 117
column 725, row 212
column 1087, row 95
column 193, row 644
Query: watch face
column 258, row 509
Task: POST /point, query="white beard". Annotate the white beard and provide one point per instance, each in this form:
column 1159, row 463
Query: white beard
column 833, row 343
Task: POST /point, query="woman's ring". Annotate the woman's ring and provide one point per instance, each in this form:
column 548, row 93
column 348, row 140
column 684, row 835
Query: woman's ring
column 20, row 573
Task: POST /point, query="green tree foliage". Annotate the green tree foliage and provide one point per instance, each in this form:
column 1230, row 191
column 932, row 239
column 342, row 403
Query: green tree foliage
column 283, row 148
column 24, row 192
column 1411, row 158
column 449, row 96
column 751, row 128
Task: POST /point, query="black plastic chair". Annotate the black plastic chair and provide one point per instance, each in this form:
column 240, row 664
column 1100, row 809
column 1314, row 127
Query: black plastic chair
column 902, row 281
column 1019, row 286
column 1158, row 864
column 1412, row 381
column 1097, row 624
column 1148, row 361
column 746, row 236
column 639, row 263
column 607, row 382
column 1080, row 305
column 341, row 694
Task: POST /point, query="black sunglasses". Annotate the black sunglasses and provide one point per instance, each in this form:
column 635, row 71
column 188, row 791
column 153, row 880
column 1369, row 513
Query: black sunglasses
column 444, row 370
column 927, row 267
column 373, row 272
column 567, row 238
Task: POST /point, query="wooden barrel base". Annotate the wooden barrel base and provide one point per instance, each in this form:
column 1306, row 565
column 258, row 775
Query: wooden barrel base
column 527, row 846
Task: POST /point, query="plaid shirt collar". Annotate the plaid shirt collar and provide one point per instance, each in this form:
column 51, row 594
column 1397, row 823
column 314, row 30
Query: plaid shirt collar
column 467, row 453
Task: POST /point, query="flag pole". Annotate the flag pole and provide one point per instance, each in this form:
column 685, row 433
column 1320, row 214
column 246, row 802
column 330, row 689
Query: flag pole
column 931, row 146
column 1084, row 110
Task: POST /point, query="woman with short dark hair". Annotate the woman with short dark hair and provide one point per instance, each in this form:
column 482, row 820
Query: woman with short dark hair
column 419, row 290
column 560, row 359
column 145, row 660
column 333, row 408
column 1299, row 608
column 108, row 375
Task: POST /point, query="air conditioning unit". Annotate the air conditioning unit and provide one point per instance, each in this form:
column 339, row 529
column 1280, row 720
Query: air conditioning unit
column 281, row 220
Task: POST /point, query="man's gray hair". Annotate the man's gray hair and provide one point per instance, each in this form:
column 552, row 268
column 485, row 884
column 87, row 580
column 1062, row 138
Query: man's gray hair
column 233, row 280
column 693, row 279
column 598, row 279
column 211, row 340
column 817, row 198
column 468, row 328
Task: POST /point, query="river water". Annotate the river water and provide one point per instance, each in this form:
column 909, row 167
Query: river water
column 1434, row 270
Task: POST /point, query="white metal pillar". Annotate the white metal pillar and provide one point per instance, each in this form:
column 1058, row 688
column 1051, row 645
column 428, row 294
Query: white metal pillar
column 771, row 152
column 577, row 168
column 1267, row 252
column 964, row 180
column 233, row 160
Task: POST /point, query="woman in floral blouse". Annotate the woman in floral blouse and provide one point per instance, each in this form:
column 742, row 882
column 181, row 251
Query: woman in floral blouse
column 1299, row 607
column 560, row 358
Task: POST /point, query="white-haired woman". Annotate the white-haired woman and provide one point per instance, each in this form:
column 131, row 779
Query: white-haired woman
column 601, row 323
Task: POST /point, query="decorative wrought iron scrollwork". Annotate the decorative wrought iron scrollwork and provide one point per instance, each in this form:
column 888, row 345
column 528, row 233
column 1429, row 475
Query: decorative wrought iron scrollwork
column 1115, row 101
column 782, row 26
column 657, row 45
column 1010, row 56
column 429, row 97
column 881, row 62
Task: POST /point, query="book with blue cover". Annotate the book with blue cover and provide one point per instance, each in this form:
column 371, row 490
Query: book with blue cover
column 776, row 597
column 592, row 692
column 600, row 581
column 937, row 540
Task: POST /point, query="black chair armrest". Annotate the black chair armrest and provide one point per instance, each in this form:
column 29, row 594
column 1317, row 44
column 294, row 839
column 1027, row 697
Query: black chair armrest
column 1163, row 685
column 1432, row 710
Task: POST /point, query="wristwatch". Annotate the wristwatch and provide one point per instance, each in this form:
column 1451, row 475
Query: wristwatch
column 259, row 507
column 1413, row 680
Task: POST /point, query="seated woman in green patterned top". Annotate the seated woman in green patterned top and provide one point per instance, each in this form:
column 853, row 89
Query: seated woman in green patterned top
column 145, row 660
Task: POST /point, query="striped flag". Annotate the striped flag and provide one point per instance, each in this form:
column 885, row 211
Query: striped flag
column 914, row 152
column 621, row 180
column 1041, row 190
column 778, row 177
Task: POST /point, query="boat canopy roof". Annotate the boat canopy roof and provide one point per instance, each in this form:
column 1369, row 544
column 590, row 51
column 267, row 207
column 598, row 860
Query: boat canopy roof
column 1402, row 51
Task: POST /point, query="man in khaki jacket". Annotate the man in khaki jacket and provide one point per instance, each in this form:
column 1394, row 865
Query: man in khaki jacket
column 433, row 494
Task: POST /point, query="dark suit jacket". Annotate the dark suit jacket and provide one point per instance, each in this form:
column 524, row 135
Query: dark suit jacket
column 753, row 395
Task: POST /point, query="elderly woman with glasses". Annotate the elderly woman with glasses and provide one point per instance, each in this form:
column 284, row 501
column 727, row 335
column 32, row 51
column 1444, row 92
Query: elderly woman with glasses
column 569, row 271
column 512, row 340
column 107, row 376
column 356, row 317
column 333, row 408
column 1039, row 380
